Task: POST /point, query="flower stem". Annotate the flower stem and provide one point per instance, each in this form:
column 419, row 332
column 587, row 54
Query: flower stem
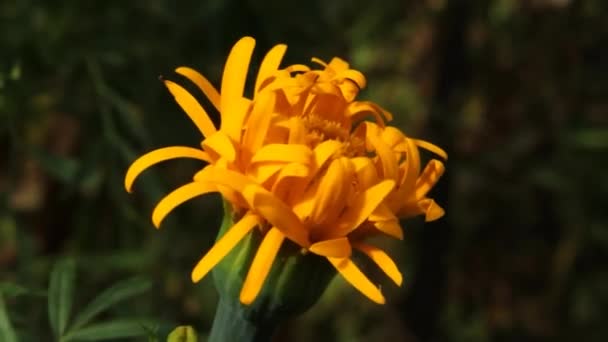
column 231, row 325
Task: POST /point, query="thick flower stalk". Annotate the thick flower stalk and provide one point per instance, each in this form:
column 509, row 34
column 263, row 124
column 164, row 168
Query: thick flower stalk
column 300, row 162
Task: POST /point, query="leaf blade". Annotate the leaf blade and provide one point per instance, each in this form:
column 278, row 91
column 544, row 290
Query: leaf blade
column 110, row 296
column 7, row 333
column 61, row 288
column 108, row 330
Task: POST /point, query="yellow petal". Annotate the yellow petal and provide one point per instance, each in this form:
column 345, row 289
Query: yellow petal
column 365, row 171
column 225, row 177
column 220, row 145
column 386, row 264
column 262, row 172
column 337, row 248
column 259, row 121
column 359, row 109
column 190, row 105
column 224, row 245
column 261, row 265
column 390, row 168
column 324, row 151
column 361, row 208
column 160, row 155
column 431, row 209
column 411, row 168
column 270, row 64
column 431, row 147
column 283, row 153
column 233, row 84
column 357, row 279
column 297, row 131
column 330, row 196
column 179, row 196
column 391, row 228
column 429, row 177
column 233, row 119
column 283, row 180
column 357, row 77
column 204, row 85
column 277, row 213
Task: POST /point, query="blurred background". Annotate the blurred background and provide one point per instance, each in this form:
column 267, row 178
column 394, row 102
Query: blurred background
column 514, row 90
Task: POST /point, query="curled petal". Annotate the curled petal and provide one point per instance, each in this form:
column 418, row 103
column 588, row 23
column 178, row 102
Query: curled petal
column 160, row 155
column 224, row 245
column 190, row 105
column 357, row 279
column 431, row 147
column 202, row 83
column 386, row 264
column 261, row 265
column 222, row 176
column 337, row 248
column 179, row 196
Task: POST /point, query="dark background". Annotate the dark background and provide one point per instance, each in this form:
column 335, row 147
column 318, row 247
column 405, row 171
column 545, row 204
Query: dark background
column 514, row 90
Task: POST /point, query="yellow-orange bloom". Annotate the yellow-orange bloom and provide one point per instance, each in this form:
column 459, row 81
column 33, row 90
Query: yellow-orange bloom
column 298, row 161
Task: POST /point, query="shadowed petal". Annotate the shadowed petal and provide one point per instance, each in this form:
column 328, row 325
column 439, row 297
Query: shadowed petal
column 261, row 265
column 224, row 245
column 160, row 155
column 357, row 279
column 429, row 177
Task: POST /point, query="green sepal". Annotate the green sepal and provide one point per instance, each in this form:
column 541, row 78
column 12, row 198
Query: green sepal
column 295, row 282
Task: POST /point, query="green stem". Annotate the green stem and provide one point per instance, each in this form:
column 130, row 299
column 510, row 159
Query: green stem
column 231, row 325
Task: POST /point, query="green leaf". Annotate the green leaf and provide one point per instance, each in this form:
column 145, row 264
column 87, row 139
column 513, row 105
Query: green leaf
column 61, row 288
column 12, row 289
column 118, row 292
column 108, row 330
column 7, row 333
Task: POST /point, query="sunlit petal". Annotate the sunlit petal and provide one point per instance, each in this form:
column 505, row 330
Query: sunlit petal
column 179, row 196
column 160, row 155
column 283, row 153
column 337, row 248
column 224, row 245
column 202, row 83
column 362, row 207
column 220, row 145
column 261, row 265
column 380, row 258
column 190, row 105
column 357, row 279
column 431, row 147
column 277, row 213
column 270, row 64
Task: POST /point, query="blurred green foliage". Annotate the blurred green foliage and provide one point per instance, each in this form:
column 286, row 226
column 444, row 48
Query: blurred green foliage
column 515, row 90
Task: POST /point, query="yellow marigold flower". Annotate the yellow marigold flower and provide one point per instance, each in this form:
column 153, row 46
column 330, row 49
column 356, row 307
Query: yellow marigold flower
column 299, row 161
